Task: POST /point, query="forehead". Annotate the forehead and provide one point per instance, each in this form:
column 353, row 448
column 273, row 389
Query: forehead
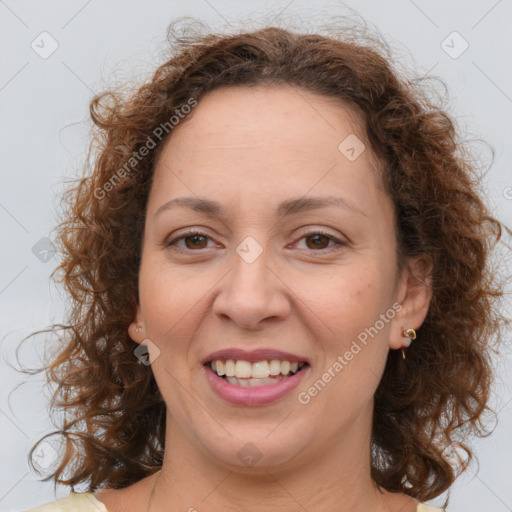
column 278, row 140
column 251, row 117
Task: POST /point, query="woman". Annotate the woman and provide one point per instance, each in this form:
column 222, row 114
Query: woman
column 280, row 284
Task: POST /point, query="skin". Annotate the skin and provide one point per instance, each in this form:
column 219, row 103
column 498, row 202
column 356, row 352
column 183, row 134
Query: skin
column 250, row 149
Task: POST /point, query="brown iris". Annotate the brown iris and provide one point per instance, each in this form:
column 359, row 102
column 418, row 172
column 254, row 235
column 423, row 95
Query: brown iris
column 316, row 237
column 198, row 239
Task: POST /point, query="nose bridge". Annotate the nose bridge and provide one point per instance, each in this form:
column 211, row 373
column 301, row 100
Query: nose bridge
column 252, row 292
column 251, row 268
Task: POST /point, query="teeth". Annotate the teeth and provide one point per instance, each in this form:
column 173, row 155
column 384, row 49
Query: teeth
column 243, row 369
column 229, row 368
column 247, row 371
column 249, row 383
column 260, row 370
column 275, row 367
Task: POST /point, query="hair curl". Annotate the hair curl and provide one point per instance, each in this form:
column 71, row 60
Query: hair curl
column 113, row 420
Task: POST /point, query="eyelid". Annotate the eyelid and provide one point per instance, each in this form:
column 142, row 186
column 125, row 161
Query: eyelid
column 339, row 241
column 174, row 238
column 313, row 230
column 310, row 231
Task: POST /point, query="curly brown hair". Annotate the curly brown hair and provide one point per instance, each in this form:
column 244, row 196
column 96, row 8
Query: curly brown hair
column 113, row 420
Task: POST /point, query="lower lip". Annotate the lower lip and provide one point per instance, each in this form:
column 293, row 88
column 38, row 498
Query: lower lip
column 257, row 395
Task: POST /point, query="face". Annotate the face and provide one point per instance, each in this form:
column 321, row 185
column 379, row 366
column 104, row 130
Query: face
column 294, row 261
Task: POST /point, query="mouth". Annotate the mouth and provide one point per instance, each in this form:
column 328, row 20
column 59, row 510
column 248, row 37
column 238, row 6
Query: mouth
column 257, row 378
column 243, row 373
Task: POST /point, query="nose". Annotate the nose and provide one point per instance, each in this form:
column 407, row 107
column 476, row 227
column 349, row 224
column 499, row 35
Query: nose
column 253, row 294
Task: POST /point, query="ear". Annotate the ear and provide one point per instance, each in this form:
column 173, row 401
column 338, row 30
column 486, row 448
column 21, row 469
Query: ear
column 414, row 293
column 136, row 329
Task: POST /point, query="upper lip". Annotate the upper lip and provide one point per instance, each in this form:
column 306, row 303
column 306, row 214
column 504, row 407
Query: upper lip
column 253, row 356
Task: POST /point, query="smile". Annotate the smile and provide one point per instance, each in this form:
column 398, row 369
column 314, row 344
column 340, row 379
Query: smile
column 254, row 384
column 246, row 374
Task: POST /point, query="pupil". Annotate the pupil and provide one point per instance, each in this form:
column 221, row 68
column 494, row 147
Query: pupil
column 316, row 240
column 195, row 239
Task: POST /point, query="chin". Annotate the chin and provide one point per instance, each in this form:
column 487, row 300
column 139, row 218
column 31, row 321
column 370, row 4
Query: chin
column 257, row 454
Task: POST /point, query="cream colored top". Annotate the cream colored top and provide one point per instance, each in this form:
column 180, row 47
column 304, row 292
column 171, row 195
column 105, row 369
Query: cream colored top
column 86, row 502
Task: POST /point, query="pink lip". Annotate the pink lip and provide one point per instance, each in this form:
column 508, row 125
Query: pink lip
column 262, row 354
column 260, row 395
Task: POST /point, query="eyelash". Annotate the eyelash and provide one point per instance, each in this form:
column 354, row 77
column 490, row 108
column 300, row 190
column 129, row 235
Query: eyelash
column 339, row 243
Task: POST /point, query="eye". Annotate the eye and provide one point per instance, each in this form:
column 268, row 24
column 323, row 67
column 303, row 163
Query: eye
column 316, row 241
column 194, row 240
column 319, row 240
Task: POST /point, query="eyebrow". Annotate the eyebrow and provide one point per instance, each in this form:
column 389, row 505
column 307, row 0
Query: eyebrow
column 288, row 207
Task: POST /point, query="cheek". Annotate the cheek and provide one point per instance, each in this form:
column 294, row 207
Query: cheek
column 358, row 309
column 167, row 308
column 167, row 296
column 349, row 301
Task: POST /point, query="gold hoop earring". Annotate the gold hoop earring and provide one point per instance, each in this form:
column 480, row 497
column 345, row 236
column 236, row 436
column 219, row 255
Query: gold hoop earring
column 409, row 334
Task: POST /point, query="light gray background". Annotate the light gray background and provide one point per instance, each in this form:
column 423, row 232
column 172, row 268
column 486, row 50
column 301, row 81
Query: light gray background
column 43, row 137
